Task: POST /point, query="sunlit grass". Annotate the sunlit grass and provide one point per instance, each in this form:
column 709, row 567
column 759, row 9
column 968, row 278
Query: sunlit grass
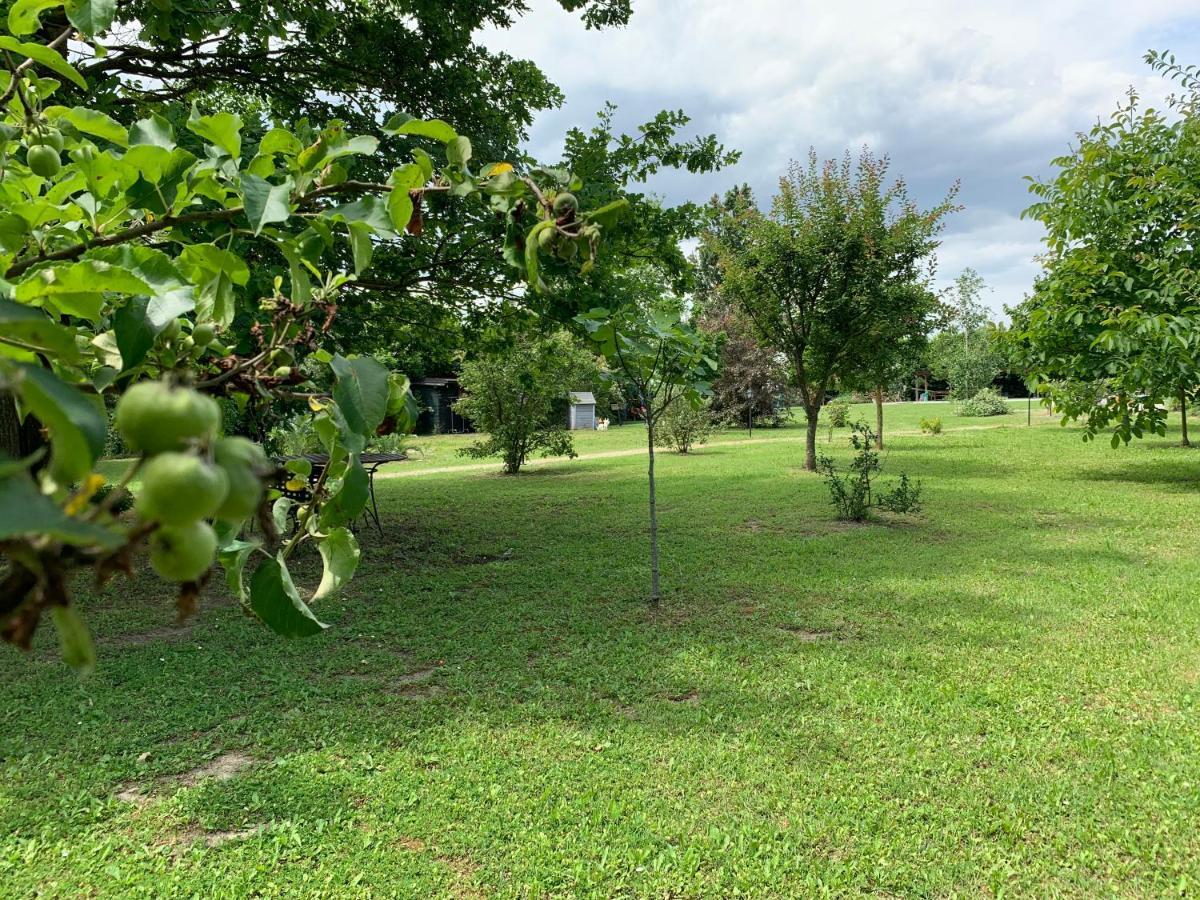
column 999, row 694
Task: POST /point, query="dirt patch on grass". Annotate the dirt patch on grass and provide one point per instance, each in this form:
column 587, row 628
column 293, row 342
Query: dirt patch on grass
column 222, row 768
column 195, row 834
column 810, row 635
column 690, row 698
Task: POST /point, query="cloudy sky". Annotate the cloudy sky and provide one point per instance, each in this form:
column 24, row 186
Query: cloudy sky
column 983, row 92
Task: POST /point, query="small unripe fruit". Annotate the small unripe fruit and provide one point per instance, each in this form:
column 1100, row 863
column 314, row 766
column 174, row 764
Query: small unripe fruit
column 283, row 372
column 203, row 334
column 171, row 330
column 179, row 488
column 243, row 461
column 546, row 237
column 51, row 137
column 564, row 202
column 182, row 553
column 43, row 160
column 154, row 417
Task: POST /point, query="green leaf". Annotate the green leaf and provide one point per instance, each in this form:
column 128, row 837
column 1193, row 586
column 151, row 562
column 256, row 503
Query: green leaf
column 74, row 639
column 458, row 151
column 531, row 253
column 360, row 245
column 360, row 392
column 92, row 17
column 431, row 128
column 26, row 510
column 141, row 320
column 88, row 277
column 23, row 16
column 89, row 121
column 351, row 498
column 233, row 556
column 77, row 428
column 155, row 131
column 339, row 556
column 274, row 599
column 32, row 326
column 608, row 215
column 280, row 140
column 223, row 130
column 43, row 55
column 266, row 203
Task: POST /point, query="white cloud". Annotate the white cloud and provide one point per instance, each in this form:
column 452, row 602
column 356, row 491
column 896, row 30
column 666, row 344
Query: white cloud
column 982, row 91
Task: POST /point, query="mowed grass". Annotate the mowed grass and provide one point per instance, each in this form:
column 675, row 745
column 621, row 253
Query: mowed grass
column 997, row 696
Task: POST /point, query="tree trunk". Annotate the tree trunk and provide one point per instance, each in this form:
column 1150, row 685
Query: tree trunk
column 879, row 417
column 812, row 412
column 18, row 439
column 1183, row 417
column 654, row 594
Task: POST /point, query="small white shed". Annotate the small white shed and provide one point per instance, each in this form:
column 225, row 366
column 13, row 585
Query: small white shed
column 582, row 413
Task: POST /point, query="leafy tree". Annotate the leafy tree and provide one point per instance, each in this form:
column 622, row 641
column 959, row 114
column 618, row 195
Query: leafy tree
column 660, row 357
column 965, row 353
column 819, row 273
column 898, row 339
column 125, row 265
column 515, row 396
column 1112, row 328
column 752, row 377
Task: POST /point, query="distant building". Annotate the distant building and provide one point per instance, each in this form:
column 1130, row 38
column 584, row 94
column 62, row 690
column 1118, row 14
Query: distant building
column 581, row 414
column 436, row 397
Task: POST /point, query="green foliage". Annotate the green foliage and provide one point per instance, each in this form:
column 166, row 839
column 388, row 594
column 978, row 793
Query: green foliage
column 833, row 216
column 661, row 357
column 853, row 494
column 684, row 425
column 986, row 402
column 128, row 258
column 967, row 353
column 837, row 412
column 931, row 425
column 1112, row 327
column 513, row 395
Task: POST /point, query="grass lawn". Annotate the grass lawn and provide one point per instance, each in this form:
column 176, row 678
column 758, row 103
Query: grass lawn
column 999, row 695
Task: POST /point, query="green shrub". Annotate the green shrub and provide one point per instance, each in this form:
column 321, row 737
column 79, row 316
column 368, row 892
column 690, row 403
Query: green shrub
column 853, row 495
column 987, row 402
column 683, row 426
column 837, row 412
column 932, row 425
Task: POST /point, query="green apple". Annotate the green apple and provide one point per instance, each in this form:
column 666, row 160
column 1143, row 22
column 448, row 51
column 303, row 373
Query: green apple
column 244, row 463
column 179, row 488
column 155, row 417
column 43, row 160
column 182, row 552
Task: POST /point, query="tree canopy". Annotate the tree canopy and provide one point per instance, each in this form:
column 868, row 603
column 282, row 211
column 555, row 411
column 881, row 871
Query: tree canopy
column 1112, row 328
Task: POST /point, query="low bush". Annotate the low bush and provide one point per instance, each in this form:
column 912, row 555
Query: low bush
column 683, row 426
column 853, row 495
column 837, row 412
column 987, row 402
column 932, row 425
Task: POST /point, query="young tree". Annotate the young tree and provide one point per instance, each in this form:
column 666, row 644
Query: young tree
column 1112, row 330
column 125, row 265
column 660, row 357
column 514, row 395
column 965, row 353
column 899, row 337
column 819, row 273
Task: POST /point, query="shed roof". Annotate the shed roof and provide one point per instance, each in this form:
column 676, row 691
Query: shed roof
column 582, row 397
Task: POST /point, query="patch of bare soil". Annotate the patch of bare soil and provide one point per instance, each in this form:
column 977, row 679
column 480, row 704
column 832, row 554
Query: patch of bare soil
column 216, row 838
column 690, row 697
column 809, row 635
column 222, row 768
